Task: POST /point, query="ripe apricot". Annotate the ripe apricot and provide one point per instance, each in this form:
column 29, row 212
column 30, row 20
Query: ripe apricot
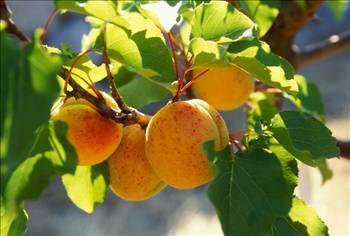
column 93, row 136
column 174, row 140
column 224, row 88
column 131, row 176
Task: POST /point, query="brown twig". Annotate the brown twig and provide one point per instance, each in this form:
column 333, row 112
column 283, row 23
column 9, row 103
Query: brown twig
column 47, row 24
column 11, row 28
column 115, row 93
column 189, row 83
column 105, row 110
column 329, row 47
column 291, row 19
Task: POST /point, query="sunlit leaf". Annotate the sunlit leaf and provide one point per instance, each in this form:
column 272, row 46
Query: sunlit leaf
column 87, row 187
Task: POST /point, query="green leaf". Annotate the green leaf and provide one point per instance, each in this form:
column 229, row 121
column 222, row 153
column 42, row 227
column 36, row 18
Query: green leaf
column 251, row 190
column 13, row 223
column 217, row 19
column 103, row 10
column 150, row 92
column 87, row 187
column 309, row 98
column 27, row 181
column 302, row 220
column 256, row 57
column 262, row 12
column 28, row 89
column 51, row 155
column 305, row 137
column 207, row 53
column 325, row 171
column 338, row 8
column 143, row 52
column 263, row 108
column 172, row 2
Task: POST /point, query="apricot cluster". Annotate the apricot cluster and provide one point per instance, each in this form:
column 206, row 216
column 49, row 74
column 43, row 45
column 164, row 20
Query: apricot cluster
column 142, row 161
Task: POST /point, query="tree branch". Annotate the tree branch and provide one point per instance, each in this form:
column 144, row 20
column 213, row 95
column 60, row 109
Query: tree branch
column 11, row 28
column 290, row 20
column 132, row 117
column 329, row 47
column 344, row 147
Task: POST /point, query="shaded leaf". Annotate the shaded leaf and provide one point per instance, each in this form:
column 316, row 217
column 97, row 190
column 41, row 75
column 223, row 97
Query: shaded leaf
column 263, row 108
column 309, row 98
column 252, row 190
column 305, row 137
column 150, row 92
column 28, row 89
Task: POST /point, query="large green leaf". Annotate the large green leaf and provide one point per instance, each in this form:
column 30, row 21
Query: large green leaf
column 143, row 52
column 251, row 190
column 256, row 58
column 51, row 155
column 305, row 137
column 262, row 12
column 217, row 19
column 103, row 10
column 302, row 220
column 28, row 89
column 207, row 53
column 140, row 92
column 309, row 98
column 87, row 187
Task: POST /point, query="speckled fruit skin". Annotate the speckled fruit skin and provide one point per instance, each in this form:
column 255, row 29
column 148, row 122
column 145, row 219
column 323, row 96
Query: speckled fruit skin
column 225, row 88
column 131, row 176
column 174, row 140
column 94, row 137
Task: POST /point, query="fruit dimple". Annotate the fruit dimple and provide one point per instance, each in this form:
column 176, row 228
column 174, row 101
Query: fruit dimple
column 174, row 142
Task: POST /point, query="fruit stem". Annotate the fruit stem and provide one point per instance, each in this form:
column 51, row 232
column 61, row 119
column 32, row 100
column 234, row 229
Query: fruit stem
column 189, row 83
column 115, row 93
column 47, row 24
column 75, row 62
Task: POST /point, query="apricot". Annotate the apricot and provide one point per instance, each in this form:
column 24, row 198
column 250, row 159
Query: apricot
column 225, row 88
column 131, row 176
column 175, row 138
column 93, row 136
